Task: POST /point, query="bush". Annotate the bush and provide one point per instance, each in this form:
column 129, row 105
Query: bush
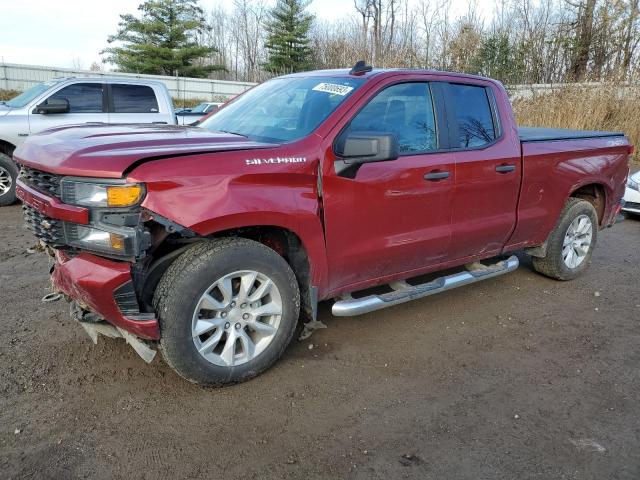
column 602, row 107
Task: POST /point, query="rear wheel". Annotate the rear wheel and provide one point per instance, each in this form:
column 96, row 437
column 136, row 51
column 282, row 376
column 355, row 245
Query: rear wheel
column 571, row 243
column 8, row 176
column 227, row 309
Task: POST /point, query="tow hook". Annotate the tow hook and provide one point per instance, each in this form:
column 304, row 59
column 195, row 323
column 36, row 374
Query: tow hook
column 51, row 297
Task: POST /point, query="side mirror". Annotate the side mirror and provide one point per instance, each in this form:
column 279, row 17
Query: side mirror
column 354, row 148
column 53, row 105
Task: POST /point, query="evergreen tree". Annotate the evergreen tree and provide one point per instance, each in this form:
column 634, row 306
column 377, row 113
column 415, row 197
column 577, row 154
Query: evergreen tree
column 496, row 58
column 162, row 41
column 287, row 41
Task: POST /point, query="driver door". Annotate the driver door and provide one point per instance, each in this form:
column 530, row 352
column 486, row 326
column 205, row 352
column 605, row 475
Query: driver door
column 391, row 217
column 86, row 104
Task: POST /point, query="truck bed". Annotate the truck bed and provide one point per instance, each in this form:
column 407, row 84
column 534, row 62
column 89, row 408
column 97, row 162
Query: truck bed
column 534, row 134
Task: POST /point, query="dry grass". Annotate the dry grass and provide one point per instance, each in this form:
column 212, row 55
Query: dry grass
column 187, row 102
column 605, row 107
column 8, row 94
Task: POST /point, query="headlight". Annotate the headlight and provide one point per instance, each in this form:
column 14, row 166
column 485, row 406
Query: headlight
column 90, row 194
column 632, row 184
column 98, row 240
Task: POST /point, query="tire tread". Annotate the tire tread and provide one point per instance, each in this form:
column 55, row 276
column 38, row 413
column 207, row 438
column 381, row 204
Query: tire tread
column 186, row 265
column 551, row 265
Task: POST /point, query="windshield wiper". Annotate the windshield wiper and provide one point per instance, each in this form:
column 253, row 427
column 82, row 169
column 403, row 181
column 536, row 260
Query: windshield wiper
column 233, row 133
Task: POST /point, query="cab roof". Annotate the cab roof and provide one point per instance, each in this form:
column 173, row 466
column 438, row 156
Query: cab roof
column 381, row 72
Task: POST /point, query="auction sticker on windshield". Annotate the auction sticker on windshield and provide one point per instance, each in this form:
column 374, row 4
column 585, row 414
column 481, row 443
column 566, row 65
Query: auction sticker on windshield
column 332, row 88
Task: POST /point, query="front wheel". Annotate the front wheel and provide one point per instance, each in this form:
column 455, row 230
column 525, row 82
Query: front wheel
column 8, row 176
column 228, row 308
column 571, row 243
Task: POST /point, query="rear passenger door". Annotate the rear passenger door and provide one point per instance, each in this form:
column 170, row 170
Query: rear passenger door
column 488, row 170
column 129, row 103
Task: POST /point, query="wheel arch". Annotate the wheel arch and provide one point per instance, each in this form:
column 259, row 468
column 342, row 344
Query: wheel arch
column 284, row 241
column 594, row 193
column 6, row 147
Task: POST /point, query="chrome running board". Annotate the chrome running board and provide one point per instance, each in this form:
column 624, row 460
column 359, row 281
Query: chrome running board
column 402, row 292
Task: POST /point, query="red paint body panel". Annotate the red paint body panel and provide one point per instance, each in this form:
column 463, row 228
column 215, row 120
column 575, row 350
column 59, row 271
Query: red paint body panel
column 281, row 195
column 386, row 223
column 553, row 170
column 50, row 206
column 483, row 215
column 92, row 280
column 106, row 151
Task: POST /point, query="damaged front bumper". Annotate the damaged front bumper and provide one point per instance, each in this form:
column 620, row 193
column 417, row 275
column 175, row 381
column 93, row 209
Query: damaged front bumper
column 105, row 287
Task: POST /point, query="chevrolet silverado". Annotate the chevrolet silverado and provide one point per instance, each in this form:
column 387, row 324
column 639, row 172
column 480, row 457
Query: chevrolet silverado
column 211, row 242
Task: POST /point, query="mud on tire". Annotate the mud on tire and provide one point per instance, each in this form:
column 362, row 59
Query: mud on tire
column 178, row 301
column 553, row 264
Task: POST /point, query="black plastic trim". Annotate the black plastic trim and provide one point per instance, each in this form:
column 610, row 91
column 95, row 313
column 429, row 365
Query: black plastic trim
column 126, row 299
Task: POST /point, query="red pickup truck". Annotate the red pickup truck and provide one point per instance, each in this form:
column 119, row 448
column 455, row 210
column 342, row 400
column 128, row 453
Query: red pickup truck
column 358, row 185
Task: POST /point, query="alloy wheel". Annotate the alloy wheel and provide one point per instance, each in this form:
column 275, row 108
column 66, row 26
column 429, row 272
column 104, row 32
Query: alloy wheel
column 577, row 241
column 5, row 181
column 236, row 318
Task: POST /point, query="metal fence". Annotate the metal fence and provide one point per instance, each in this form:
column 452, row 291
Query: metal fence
column 21, row 77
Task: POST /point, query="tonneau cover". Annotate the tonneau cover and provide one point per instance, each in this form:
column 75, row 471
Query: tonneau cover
column 534, row 134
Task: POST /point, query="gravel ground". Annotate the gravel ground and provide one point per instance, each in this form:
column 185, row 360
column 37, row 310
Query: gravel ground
column 516, row 377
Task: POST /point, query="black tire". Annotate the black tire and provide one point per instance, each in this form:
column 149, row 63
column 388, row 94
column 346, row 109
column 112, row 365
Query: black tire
column 553, row 264
column 7, row 165
column 189, row 277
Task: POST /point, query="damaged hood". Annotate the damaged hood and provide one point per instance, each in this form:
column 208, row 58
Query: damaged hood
column 108, row 151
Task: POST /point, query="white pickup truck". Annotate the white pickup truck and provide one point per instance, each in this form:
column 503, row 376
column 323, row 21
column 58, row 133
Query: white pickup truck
column 76, row 100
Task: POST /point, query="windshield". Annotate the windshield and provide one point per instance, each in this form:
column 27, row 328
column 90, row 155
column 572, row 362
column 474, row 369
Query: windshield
column 283, row 109
column 25, row 97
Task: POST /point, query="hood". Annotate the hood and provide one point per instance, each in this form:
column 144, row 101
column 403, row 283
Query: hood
column 108, row 151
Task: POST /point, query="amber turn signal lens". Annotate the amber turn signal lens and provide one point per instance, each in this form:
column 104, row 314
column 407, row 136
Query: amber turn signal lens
column 123, row 196
column 116, row 241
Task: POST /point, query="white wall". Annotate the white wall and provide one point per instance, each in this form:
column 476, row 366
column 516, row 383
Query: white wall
column 21, row 77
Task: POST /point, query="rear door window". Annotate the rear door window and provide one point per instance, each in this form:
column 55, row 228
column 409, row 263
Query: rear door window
column 133, row 99
column 82, row 97
column 406, row 110
column 473, row 115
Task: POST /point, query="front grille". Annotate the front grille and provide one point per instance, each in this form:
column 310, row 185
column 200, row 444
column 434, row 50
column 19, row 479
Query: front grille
column 45, row 182
column 47, row 229
column 632, row 205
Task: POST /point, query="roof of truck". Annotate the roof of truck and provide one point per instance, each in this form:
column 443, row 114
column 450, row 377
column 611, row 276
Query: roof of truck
column 376, row 72
column 108, row 79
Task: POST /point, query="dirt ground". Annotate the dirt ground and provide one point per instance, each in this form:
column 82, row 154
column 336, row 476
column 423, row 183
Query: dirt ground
column 516, row 377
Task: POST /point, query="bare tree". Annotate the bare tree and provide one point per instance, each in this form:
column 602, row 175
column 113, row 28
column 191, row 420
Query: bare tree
column 541, row 41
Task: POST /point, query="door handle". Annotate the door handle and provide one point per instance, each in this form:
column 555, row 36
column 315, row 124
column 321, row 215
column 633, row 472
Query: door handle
column 436, row 175
column 505, row 168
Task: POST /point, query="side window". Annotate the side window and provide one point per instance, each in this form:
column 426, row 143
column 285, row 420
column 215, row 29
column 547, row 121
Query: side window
column 405, row 109
column 133, row 99
column 82, row 97
column 473, row 113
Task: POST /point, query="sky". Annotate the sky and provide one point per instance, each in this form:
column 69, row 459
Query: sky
column 71, row 33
